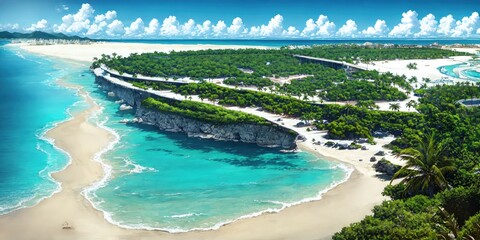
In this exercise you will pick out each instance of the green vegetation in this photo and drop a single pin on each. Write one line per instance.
(345, 122)
(335, 85)
(442, 176)
(353, 53)
(255, 67)
(412, 66)
(426, 167)
(202, 111)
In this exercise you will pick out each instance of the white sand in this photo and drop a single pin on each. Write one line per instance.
(86, 53)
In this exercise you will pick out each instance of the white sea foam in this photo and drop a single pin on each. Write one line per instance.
(137, 168)
(186, 215)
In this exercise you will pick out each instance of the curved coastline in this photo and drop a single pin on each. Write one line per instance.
(231, 231)
(41, 134)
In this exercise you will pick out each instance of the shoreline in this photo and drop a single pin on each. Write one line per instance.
(93, 221)
(301, 221)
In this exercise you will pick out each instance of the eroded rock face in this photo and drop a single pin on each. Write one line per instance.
(262, 135)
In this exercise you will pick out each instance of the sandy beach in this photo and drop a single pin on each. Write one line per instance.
(347, 203)
(86, 53)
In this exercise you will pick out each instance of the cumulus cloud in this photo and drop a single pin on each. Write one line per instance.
(205, 28)
(466, 26)
(38, 26)
(407, 26)
(189, 28)
(9, 26)
(170, 26)
(348, 30)
(109, 15)
(136, 28)
(115, 29)
(237, 27)
(378, 30)
(152, 28)
(291, 32)
(219, 28)
(100, 22)
(446, 25)
(321, 28)
(428, 26)
(84, 22)
(272, 29)
(77, 22)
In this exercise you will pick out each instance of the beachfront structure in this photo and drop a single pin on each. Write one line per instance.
(331, 63)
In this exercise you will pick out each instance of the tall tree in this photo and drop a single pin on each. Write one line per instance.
(424, 172)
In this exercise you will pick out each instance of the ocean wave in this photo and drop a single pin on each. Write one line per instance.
(186, 215)
(137, 168)
(89, 192)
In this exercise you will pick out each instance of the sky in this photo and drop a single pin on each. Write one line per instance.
(250, 19)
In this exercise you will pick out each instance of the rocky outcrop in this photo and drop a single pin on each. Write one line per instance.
(386, 167)
(270, 135)
(263, 135)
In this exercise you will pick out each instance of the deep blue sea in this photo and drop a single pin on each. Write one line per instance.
(154, 180)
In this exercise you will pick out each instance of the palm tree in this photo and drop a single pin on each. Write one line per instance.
(411, 104)
(426, 165)
(395, 107)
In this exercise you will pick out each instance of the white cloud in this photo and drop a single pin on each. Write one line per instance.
(274, 28)
(446, 25)
(428, 26)
(100, 22)
(152, 28)
(136, 28)
(109, 15)
(219, 28)
(84, 22)
(408, 25)
(38, 26)
(9, 27)
(62, 7)
(291, 32)
(466, 26)
(309, 28)
(77, 22)
(95, 28)
(348, 30)
(170, 26)
(205, 28)
(322, 27)
(115, 29)
(237, 27)
(378, 30)
(189, 28)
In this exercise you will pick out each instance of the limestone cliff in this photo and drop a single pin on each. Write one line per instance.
(264, 135)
